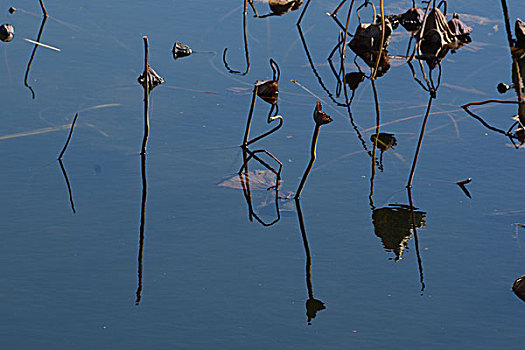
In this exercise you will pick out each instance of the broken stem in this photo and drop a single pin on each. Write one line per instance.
(69, 137)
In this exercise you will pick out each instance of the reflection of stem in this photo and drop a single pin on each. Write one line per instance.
(507, 22)
(68, 185)
(250, 116)
(382, 41)
(246, 53)
(416, 241)
(69, 137)
(43, 9)
(419, 142)
(485, 124)
(312, 160)
(306, 250)
(28, 69)
(374, 151)
(146, 95)
(244, 177)
(142, 226)
(302, 13)
(310, 61)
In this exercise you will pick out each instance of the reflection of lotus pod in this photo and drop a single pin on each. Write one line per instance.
(366, 44)
(394, 224)
(385, 141)
(181, 50)
(313, 306)
(321, 117)
(353, 79)
(520, 32)
(268, 90)
(7, 32)
(412, 20)
(460, 29)
(154, 79)
(280, 7)
(519, 287)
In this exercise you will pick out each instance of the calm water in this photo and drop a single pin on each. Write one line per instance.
(211, 278)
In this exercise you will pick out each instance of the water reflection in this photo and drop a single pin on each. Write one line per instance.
(313, 306)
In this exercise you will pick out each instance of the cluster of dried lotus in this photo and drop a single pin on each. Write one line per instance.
(437, 37)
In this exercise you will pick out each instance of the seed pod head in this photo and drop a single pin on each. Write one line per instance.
(181, 50)
(353, 79)
(503, 88)
(268, 90)
(7, 32)
(459, 29)
(154, 79)
(321, 117)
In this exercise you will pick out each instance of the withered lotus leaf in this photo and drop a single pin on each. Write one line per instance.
(519, 288)
(181, 50)
(268, 90)
(321, 117)
(7, 32)
(460, 29)
(154, 79)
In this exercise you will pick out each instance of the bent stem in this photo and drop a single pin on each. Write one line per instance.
(250, 116)
(245, 36)
(28, 69)
(69, 137)
(315, 137)
(64, 172)
(43, 9)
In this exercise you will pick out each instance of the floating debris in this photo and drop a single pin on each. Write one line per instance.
(519, 288)
(43, 45)
(12, 10)
(154, 79)
(354, 79)
(7, 32)
(462, 184)
(181, 50)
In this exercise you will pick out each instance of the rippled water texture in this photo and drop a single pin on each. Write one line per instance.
(107, 249)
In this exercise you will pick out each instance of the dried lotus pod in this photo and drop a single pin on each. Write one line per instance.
(354, 79)
(181, 50)
(412, 20)
(154, 79)
(7, 32)
(460, 29)
(268, 90)
(519, 287)
(321, 117)
(520, 32)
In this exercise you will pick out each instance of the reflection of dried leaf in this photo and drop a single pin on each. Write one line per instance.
(462, 184)
(519, 287)
(258, 180)
(385, 141)
(412, 20)
(280, 7)
(353, 79)
(313, 306)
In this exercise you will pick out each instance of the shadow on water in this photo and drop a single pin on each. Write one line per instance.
(313, 306)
